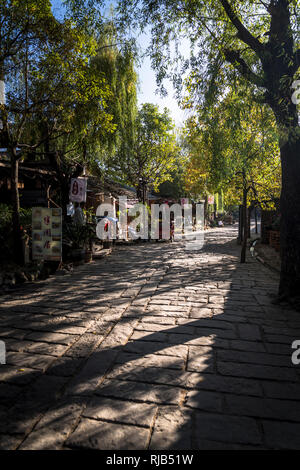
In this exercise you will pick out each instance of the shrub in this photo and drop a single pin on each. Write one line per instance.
(6, 238)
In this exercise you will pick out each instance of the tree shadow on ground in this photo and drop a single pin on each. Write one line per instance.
(216, 374)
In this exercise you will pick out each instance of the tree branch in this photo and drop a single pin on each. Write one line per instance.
(243, 32)
(264, 4)
(239, 63)
(297, 59)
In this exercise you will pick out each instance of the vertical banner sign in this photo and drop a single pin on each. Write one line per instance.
(46, 234)
(78, 189)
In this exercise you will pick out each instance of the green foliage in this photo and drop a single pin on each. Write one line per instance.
(174, 189)
(76, 118)
(88, 88)
(5, 215)
(6, 212)
(77, 236)
(115, 60)
(6, 232)
(212, 29)
(153, 154)
(235, 145)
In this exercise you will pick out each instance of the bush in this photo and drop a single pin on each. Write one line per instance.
(25, 217)
(77, 236)
(5, 215)
(6, 238)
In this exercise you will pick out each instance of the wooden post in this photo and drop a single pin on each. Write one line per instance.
(255, 215)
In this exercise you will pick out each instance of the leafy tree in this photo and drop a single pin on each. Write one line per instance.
(235, 150)
(174, 188)
(153, 154)
(200, 175)
(77, 122)
(254, 40)
(116, 61)
(56, 97)
(26, 28)
(95, 110)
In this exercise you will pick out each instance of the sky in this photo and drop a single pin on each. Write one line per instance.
(148, 89)
(147, 82)
(147, 93)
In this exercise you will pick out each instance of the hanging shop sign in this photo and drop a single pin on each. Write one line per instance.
(46, 234)
(78, 189)
(210, 200)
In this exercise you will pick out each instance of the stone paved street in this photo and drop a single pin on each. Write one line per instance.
(153, 347)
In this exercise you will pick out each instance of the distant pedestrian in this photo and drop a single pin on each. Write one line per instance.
(78, 217)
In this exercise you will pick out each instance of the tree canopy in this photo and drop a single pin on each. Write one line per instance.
(237, 137)
(153, 153)
(254, 41)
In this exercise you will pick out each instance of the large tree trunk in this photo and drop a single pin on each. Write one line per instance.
(18, 255)
(290, 219)
(289, 141)
(280, 64)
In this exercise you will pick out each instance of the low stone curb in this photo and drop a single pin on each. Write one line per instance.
(265, 263)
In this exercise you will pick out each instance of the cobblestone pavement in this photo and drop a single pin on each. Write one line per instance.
(154, 347)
